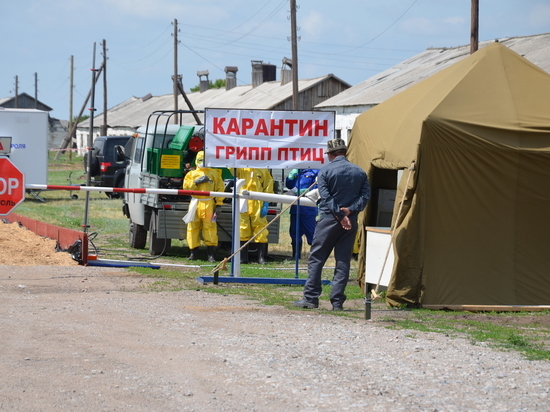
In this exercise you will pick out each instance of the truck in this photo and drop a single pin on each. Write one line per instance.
(159, 156)
(108, 162)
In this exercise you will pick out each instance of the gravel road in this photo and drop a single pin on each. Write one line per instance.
(93, 339)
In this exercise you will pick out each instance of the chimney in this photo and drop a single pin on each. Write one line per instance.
(204, 84)
(257, 73)
(263, 72)
(230, 77)
(286, 71)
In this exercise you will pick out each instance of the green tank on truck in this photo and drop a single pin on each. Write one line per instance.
(159, 156)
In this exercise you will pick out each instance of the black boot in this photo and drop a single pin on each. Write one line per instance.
(244, 253)
(193, 254)
(210, 253)
(261, 252)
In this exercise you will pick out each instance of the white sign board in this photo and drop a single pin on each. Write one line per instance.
(378, 241)
(267, 139)
(28, 129)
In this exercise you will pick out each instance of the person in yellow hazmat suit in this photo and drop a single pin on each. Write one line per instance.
(254, 219)
(203, 210)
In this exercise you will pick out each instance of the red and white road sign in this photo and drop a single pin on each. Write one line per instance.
(12, 186)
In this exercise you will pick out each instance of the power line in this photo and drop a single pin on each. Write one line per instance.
(210, 39)
(382, 32)
(274, 12)
(247, 20)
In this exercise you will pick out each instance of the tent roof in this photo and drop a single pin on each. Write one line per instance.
(469, 92)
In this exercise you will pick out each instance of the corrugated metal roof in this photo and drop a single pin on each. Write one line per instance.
(25, 101)
(135, 111)
(384, 85)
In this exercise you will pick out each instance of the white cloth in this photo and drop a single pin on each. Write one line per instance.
(191, 212)
(313, 195)
(243, 206)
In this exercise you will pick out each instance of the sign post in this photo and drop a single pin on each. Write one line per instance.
(12, 186)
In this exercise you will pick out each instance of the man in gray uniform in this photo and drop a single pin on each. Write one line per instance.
(344, 192)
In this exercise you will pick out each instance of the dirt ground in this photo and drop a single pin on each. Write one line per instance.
(33, 250)
(19, 246)
(95, 338)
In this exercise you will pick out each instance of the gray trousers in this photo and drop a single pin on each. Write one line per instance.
(330, 235)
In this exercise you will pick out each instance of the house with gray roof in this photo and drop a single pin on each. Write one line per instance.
(357, 99)
(265, 93)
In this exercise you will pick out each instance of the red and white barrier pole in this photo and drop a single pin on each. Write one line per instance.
(266, 197)
(126, 190)
(272, 197)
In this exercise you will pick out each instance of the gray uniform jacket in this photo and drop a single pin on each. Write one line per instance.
(342, 184)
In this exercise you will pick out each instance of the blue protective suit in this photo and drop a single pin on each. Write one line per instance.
(302, 218)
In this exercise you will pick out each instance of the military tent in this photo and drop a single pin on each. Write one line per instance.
(474, 228)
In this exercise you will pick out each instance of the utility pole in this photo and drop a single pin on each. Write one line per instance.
(294, 41)
(70, 125)
(103, 128)
(71, 101)
(72, 131)
(16, 103)
(175, 78)
(474, 36)
(35, 90)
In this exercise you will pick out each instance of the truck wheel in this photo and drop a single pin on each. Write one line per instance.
(138, 236)
(157, 246)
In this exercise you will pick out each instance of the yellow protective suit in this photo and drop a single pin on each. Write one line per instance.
(256, 180)
(206, 205)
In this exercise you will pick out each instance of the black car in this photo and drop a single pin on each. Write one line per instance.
(108, 162)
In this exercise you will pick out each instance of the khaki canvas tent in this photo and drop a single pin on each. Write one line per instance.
(474, 228)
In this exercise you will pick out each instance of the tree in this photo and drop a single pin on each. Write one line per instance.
(80, 119)
(218, 84)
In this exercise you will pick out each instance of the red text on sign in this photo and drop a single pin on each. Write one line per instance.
(270, 127)
(266, 153)
(8, 185)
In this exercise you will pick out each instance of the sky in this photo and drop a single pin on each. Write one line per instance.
(352, 39)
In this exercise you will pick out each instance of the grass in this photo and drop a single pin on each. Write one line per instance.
(527, 333)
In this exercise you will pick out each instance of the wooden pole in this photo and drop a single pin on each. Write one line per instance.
(295, 104)
(35, 90)
(16, 92)
(71, 101)
(195, 115)
(474, 36)
(175, 69)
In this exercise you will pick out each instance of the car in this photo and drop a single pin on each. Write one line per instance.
(108, 162)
